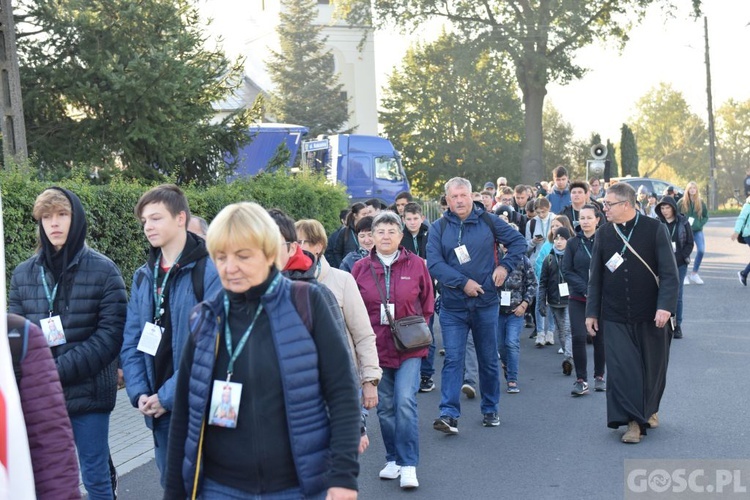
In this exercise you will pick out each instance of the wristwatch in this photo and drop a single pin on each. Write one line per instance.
(373, 382)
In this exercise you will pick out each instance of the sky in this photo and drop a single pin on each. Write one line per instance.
(660, 50)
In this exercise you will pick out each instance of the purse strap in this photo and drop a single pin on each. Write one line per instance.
(391, 321)
(630, 247)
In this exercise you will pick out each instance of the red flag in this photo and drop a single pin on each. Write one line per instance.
(16, 474)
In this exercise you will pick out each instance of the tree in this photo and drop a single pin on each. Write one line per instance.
(116, 85)
(733, 146)
(670, 135)
(307, 89)
(628, 152)
(452, 110)
(560, 147)
(540, 37)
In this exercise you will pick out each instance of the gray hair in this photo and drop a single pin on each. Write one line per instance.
(387, 217)
(457, 182)
(624, 192)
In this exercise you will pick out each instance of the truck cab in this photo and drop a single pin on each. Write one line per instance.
(369, 166)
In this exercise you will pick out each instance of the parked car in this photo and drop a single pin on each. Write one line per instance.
(657, 186)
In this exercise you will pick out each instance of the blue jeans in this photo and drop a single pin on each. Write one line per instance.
(682, 271)
(456, 325)
(161, 433)
(509, 328)
(427, 368)
(746, 272)
(397, 412)
(543, 323)
(700, 245)
(216, 491)
(471, 369)
(91, 435)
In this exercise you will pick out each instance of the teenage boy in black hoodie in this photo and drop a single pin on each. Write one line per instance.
(681, 235)
(177, 276)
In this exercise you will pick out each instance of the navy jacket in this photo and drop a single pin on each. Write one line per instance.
(479, 239)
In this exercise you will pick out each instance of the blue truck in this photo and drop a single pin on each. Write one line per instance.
(368, 166)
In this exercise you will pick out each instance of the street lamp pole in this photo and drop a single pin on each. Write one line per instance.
(712, 197)
(12, 122)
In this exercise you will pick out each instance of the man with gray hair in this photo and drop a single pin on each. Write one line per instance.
(632, 293)
(462, 254)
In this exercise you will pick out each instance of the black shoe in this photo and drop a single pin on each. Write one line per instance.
(426, 384)
(441, 352)
(677, 332)
(567, 366)
(446, 424)
(533, 334)
(743, 277)
(491, 420)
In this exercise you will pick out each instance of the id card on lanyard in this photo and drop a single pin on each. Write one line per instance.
(152, 332)
(51, 327)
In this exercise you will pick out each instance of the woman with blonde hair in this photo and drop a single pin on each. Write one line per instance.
(692, 206)
(281, 349)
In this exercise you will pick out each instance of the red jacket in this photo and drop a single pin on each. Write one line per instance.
(411, 292)
(53, 454)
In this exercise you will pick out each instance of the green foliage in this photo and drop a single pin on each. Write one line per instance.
(452, 110)
(541, 38)
(612, 157)
(628, 152)
(732, 147)
(114, 85)
(560, 147)
(114, 230)
(307, 88)
(670, 135)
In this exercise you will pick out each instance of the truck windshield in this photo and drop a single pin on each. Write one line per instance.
(388, 168)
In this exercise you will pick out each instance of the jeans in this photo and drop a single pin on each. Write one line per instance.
(577, 314)
(216, 491)
(471, 368)
(543, 323)
(746, 272)
(161, 433)
(91, 435)
(427, 368)
(682, 270)
(562, 329)
(509, 328)
(700, 245)
(456, 325)
(397, 412)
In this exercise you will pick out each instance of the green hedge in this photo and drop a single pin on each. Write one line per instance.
(114, 231)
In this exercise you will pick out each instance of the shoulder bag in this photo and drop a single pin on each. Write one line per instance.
(410, 333)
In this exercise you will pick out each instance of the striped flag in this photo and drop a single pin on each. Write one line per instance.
(16, 474)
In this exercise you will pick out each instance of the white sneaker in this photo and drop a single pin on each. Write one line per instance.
(695, 278)
(686, 281)
(392, 471)
(409, 477)
(550, 340)
(539, 342)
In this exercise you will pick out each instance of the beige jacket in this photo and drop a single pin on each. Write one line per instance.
(360, 333)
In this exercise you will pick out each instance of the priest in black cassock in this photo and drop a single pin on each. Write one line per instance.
(633, 291)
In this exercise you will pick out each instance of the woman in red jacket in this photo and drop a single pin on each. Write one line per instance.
(401, 279)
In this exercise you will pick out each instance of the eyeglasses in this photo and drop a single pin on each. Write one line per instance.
(302, 242)
(608, 204)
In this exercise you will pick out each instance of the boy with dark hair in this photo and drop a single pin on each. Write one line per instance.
(402, 199)
(415, 236)
(374, 207)
(177, 276)
(559, 196)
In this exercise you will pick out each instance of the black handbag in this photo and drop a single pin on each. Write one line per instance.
(410, 333)
(741, 239)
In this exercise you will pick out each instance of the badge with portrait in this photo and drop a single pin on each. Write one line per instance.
(504, 298)
(225, 404)
(615, 262)
(462, 253)
(384, 316)
(563, 287)
(150, 339)
(53, 331)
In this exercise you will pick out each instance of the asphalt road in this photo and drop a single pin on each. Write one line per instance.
(552, 446)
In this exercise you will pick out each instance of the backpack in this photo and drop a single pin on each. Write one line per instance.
(301, 301)
(17, 348)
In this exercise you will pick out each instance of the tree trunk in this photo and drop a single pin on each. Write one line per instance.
(532, 168)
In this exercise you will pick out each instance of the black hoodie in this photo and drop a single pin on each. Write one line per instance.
(58, 261)
(679, 231)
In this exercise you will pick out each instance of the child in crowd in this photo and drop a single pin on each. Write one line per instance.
(553, 290)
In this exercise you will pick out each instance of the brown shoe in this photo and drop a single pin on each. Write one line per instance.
(653, 421)
(633, 434)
